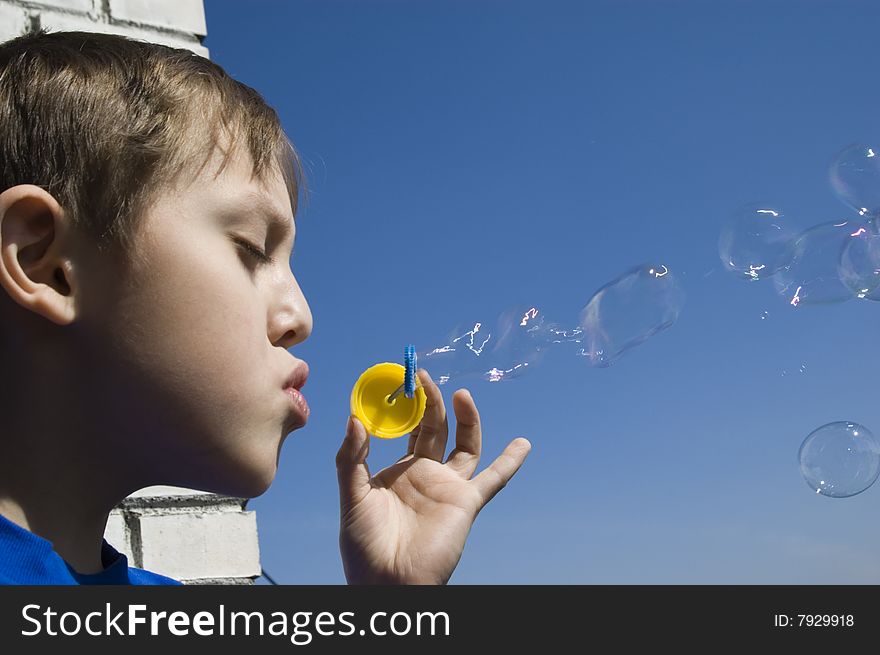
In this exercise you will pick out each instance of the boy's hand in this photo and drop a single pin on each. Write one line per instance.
(408, 523)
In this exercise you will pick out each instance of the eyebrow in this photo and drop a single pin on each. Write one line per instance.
(282, 224)
(278, 222)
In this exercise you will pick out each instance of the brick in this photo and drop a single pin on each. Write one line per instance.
(14, 21)
(60, 22)
(56, 21)
(116, 534)
(182, 15)
(190, 546)
(84, 6)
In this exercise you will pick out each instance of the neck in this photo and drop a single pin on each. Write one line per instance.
(58, 485)
(74, 531)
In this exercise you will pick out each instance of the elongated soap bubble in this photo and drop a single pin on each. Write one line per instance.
(754, 243)
(855, 179)
(562, 338)
(840, 459)
(628, 311)
(495, 350)
(812, 276)
(461, 355)
(522, 338)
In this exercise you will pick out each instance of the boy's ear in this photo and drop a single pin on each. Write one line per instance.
(34, 269)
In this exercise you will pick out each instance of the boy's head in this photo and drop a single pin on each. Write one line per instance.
(141, 334)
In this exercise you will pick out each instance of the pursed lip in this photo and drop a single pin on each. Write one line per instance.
(297, 377)
(298, 406)
(299, 409)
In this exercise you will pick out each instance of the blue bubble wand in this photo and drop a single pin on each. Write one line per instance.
(409, 376)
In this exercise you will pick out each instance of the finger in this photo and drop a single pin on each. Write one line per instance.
(351, 464)
(411, 446)
(434, 430)
(493, 479)
(468, 435)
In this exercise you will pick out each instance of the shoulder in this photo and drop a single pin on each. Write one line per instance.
(143, 577)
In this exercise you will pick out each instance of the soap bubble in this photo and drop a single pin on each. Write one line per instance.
(618, 317)
(812, 274)
(627, 311)
(560, 337)
(501, 350)
(827, 263)
(855, 179)
(859, 266)
(521, 340)
(754, 243)
(840, 459)
(462, 354)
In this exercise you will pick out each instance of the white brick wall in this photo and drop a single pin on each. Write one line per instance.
(185, 534)
(189, 535)
(73, 5)
(203, 544)
(13, 20)
(175, 15)
(176, 23)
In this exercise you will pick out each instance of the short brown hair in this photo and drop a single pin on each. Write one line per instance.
(101, 121)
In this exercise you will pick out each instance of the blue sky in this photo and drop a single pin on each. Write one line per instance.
(466, 156)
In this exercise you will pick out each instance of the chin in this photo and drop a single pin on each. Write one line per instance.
(253, 481)
(242, 477)
(249, 486)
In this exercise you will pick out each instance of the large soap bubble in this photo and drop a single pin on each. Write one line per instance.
(840, 459)
(628, 311)
(859, 266)
(855, 179)
(812, 275)
(754, 243)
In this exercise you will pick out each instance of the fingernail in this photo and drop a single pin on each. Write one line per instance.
(349, 426)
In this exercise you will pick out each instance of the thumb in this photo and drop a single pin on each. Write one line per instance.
(351, 463)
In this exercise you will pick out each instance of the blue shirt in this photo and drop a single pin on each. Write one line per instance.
(26, 559)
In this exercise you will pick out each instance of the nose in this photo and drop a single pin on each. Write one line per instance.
(290, 321)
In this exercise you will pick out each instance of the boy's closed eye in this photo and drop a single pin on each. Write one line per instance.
(253, 211)
(259, 255)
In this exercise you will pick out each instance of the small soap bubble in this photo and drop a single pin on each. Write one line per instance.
(840, 459)
(855, 179)
(812, 276)
(859, 266)
(754, 243)
(764, 315)
(627, 311)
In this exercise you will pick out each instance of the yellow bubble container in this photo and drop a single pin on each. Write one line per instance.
(369, 402)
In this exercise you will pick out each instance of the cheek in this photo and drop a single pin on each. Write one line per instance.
(198, 330)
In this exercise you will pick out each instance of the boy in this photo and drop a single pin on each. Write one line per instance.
(147, 309)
